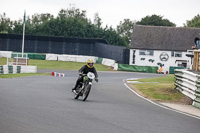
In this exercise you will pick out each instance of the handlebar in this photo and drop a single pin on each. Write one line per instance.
(81, 74)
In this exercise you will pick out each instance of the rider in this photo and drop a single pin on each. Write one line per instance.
(89, 67)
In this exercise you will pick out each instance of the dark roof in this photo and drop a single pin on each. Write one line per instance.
(163, 38)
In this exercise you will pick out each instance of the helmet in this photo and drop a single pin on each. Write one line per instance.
(90, 63)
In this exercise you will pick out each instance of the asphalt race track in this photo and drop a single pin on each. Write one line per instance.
(45, 104)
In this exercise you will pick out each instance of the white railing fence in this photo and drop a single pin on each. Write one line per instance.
(188, 83)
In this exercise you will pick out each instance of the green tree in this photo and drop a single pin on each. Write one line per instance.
(125, 29)
(97, 21)
(5, 23)
(41, 18)
(155, 20)
(97, 24)
(70, 22)
(113, 37)
(17, 27)
(71, 12)
(195, 22)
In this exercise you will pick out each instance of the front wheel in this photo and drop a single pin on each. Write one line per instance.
(76, 95)
(86, 92)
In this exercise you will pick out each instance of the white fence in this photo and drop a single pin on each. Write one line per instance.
(76, 58)
(15, 65)
(7, 54)
(79, 58)
(189, 84)
(57, 57)
(6, 69)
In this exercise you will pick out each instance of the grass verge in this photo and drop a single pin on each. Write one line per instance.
(22, 75)
(3, 61)
(45, 64)
(160, 89)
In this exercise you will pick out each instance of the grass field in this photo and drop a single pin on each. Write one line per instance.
(45, 64)
(3, 61)
(159, 89)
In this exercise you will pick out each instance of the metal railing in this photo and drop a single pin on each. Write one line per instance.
(188, 83)
(19, 59)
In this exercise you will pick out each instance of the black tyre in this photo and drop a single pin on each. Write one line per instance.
(86, 92)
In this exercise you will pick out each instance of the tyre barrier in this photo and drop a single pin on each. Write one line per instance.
(188, 83)
(55, 74)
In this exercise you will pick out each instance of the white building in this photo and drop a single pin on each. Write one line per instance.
(167, 46)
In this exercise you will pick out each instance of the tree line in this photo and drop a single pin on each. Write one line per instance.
(74, 23)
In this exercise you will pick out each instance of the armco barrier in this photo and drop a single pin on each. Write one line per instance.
(189, 84)
(51, 57)
(171, 69)
(99, 60)
(76, 58)
(133, 68)
(4, 69)
(64, 57)
(108, 62)
(79, 58)
(37, 56)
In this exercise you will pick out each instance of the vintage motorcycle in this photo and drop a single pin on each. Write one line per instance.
(84, 87)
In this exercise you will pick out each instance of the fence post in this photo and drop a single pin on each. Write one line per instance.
(196, 60)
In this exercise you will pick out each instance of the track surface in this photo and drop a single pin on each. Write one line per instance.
(45, 104)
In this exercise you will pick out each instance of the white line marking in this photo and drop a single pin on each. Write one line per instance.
(159, 104)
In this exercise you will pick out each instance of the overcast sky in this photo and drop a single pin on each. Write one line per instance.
(110, 11)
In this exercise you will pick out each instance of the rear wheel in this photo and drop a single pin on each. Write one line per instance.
(86, 92)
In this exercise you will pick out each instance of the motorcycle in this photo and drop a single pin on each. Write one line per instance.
(84, 87)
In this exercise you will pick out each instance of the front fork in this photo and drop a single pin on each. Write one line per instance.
(88, 82)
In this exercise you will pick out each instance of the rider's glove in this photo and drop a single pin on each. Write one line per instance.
(80, 74)
(96, 79)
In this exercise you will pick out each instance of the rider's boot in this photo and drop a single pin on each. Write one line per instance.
(74, 88)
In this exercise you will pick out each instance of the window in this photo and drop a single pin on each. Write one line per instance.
(198, 44)
(142, 52)
(176, 54)
(146, 52)
(182, 65)
(172, 54)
